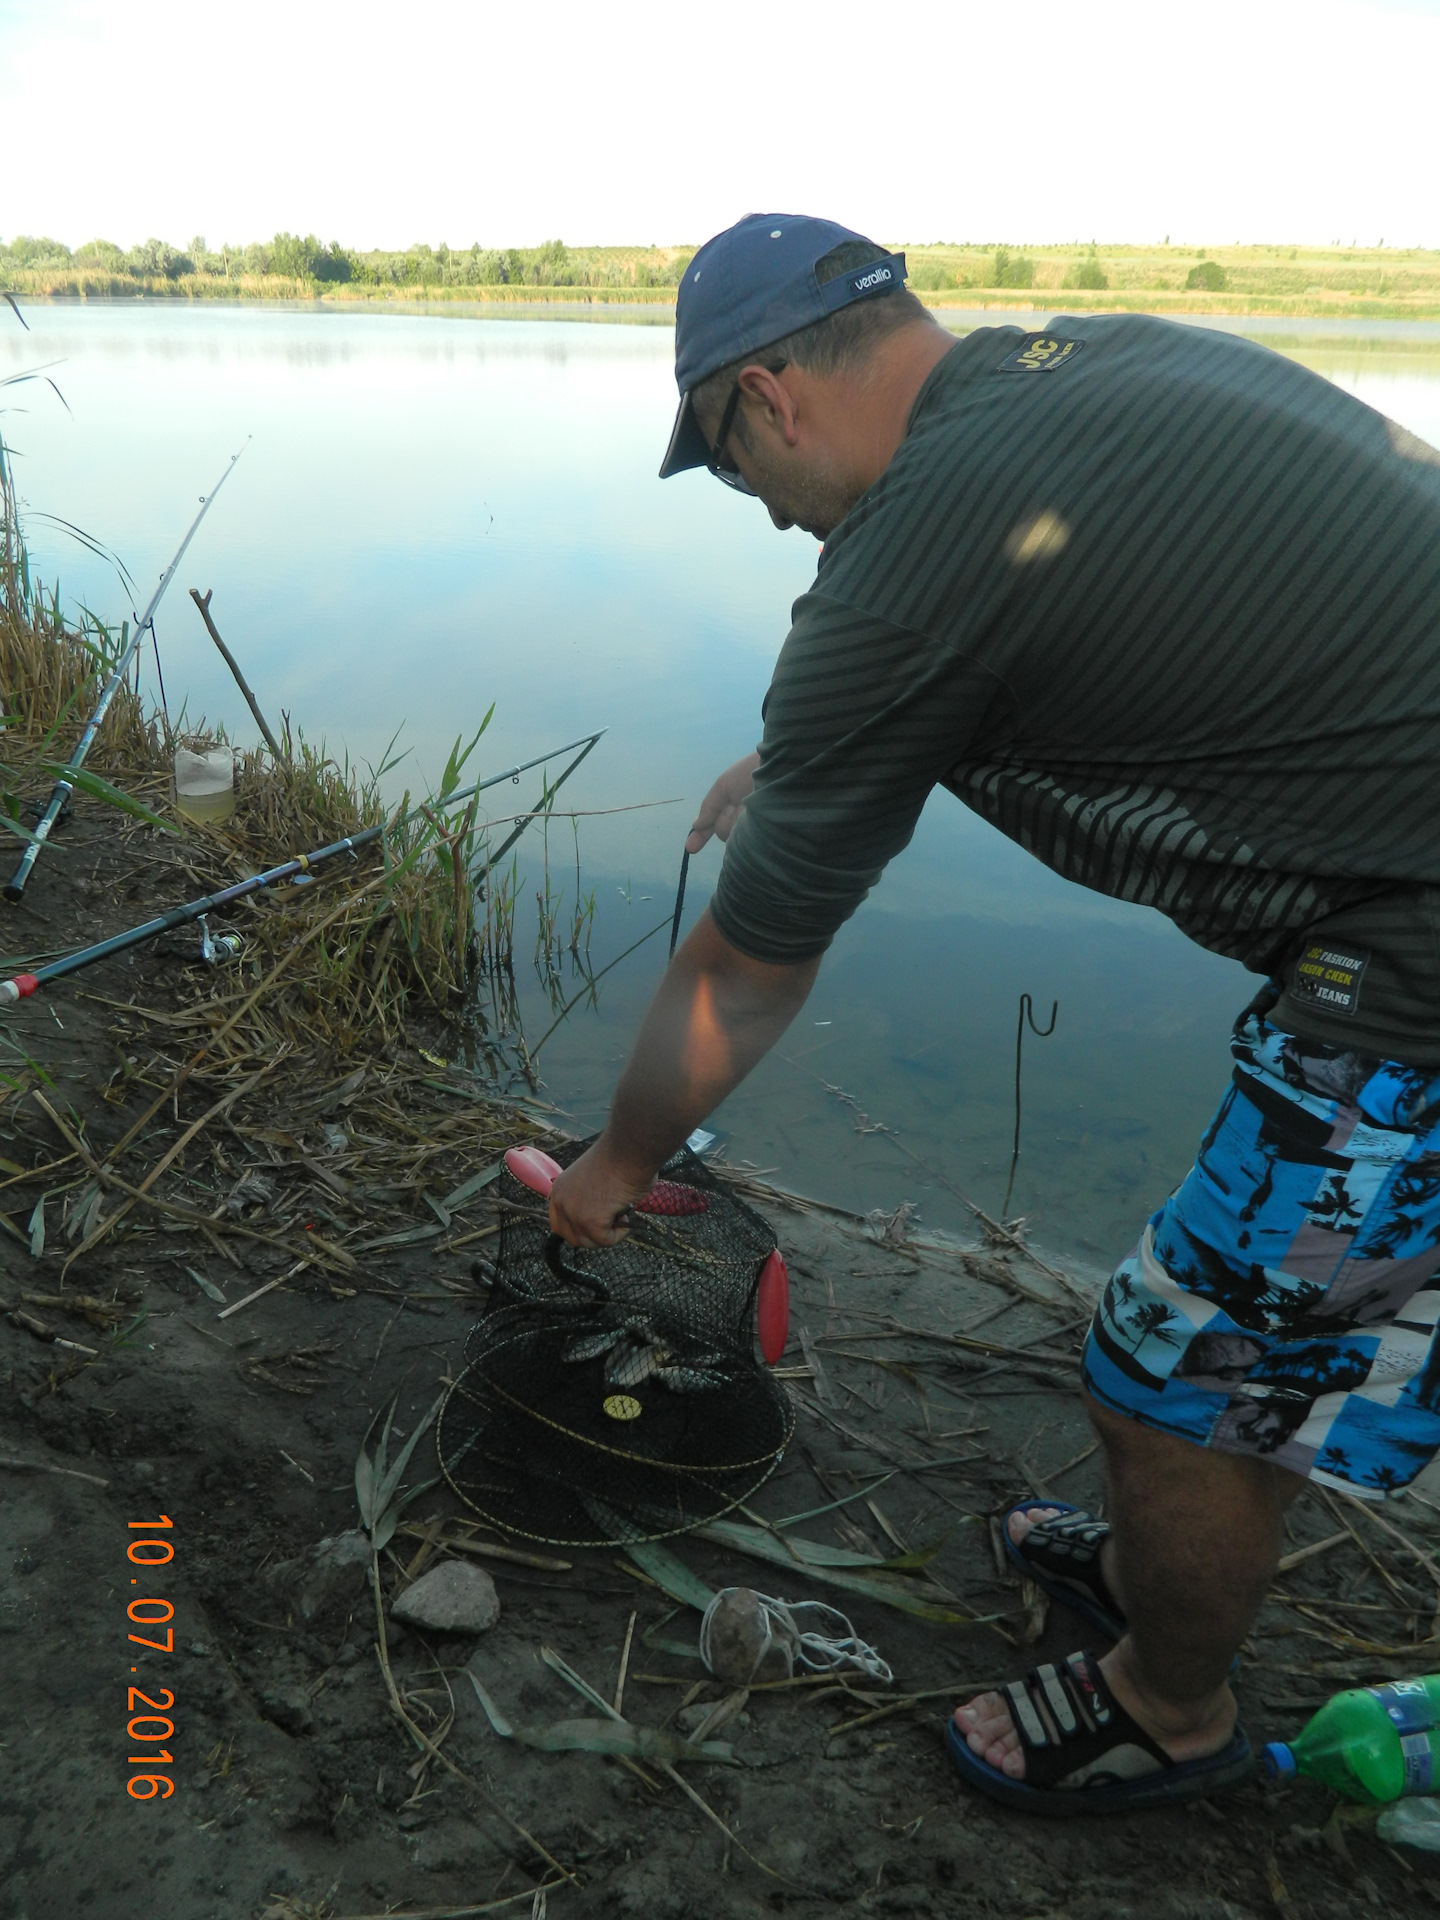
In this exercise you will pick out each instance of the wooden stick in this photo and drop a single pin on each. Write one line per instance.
(1302, 1554)
(234, 666)
(960, 1689)
(1401, 1539)
(493, 1550)
(269, 1287)
(452, 1246)
(40, 1466)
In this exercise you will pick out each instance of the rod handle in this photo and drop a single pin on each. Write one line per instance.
(20, 988)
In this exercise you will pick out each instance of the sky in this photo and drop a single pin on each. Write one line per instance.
(638, 121)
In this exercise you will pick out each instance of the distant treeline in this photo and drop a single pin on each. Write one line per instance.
(291, 257)
(1376, 282)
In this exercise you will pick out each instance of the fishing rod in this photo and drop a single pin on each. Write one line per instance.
(587, 741)
(21, 985)
(144, 623)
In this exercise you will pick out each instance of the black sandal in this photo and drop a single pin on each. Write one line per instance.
(1085, 1754)
(1062, 1557)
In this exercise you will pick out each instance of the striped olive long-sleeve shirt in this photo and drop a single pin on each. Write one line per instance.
(1163, 607)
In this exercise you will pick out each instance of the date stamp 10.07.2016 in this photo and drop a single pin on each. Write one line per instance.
(148, 1726)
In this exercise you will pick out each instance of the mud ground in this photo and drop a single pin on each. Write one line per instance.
(296, 1795)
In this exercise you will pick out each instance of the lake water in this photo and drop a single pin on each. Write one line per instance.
(434, 513)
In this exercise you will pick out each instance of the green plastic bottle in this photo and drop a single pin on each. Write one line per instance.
(1371, 1744)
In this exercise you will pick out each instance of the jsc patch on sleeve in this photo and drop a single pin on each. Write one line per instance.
(1330, 977)
(1040, 353)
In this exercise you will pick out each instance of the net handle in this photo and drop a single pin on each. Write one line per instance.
(555, 1260)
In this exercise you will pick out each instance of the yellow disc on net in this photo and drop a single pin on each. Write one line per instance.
(621, 1406)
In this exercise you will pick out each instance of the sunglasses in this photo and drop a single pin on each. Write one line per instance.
(722, 468)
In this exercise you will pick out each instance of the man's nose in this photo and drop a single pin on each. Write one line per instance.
(780, 520)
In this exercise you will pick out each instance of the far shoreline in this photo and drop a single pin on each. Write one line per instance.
(1371, 324)
(1225, 284)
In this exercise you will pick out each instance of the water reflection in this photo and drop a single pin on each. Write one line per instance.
(434, 513)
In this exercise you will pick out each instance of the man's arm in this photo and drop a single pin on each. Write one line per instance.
(716, 1014)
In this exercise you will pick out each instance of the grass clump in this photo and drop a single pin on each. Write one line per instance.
(51, 669)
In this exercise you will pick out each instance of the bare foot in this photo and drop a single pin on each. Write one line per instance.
(989, 1732)
(1019, 1524)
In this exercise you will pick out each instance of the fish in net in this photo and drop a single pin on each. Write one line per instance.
(615, 1393)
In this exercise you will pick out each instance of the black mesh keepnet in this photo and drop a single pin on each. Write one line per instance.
(614, 1393)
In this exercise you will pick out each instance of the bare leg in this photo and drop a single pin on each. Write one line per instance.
(1194, 1539)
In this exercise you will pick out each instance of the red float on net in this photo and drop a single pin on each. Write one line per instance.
(533, 1169)
(668, 1197)
(772, 1308)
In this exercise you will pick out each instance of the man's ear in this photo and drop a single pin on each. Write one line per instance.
(770, 400)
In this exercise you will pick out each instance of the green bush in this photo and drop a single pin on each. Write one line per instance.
(157, 259)
(479, 269)
(1013, 270)
(550, 265)
(307, 259)
(1208, 277)
(1088, 274)
(26, 250)
(101, 253)
(930, 276)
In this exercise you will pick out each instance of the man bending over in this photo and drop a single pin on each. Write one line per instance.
(1164, 608)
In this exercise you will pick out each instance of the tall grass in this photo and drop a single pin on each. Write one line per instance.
(51, 669)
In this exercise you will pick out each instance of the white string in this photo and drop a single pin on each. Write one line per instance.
(820, 1652)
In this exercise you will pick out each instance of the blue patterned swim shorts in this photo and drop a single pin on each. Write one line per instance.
(1283, 1302)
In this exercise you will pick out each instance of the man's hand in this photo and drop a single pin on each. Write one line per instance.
(586, 1202)
(720, 808)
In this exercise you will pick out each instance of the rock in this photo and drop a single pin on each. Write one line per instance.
(335, 1579)
(452, 1598)
(288, 1711)
(742, 1645)
(329, 1581)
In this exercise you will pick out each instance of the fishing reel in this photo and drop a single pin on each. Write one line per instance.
(34, 812)
(214, 950)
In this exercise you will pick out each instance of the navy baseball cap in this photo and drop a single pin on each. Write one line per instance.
(751, 285)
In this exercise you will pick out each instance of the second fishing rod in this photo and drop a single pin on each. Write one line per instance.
(20, 986)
